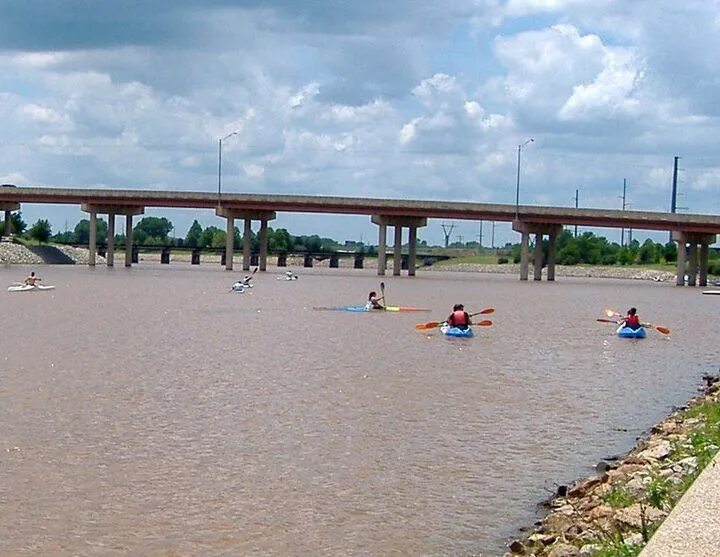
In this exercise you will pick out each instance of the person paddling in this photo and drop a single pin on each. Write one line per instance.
(32, 280)
(246, 280)
(459, 317)
(631, 320)
(374, 302)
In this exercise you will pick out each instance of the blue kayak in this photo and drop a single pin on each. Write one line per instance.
(455, 332)
(365, 308)
(627, 332)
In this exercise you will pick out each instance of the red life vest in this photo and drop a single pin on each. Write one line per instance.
(632, 321)
(459, 317)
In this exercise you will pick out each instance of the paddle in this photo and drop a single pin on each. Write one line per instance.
(609, 313)
(433, 324)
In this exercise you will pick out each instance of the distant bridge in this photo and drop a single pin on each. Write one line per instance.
(693, 232)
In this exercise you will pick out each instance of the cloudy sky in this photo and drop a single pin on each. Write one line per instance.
(382, 98)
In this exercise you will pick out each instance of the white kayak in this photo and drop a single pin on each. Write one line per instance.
(717, 292)
(29, 288)
(294, 277)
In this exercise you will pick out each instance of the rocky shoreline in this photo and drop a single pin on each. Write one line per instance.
(620, 508)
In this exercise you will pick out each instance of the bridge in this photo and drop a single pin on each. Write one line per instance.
(693, 232)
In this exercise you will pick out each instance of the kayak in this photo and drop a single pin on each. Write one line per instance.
(28, 288)
(365, 309)
(294, 277)
(455, 332)
(627, 332)
(711, 291)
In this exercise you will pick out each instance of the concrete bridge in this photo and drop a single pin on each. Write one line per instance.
(693, 233)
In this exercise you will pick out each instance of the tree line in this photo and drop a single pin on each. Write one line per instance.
(155, 232)
(586, 248)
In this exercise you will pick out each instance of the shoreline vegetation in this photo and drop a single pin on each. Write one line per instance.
(18, 254)
(616, 512)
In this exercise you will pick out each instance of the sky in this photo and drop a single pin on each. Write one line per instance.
(404, 99)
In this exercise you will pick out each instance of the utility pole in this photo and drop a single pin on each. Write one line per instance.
(447, 233)
(577, 199)
(480, 224)
(622, 234)
(492, 241)
(673, 199)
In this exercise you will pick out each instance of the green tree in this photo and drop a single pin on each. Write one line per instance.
(40, 231)
(218, 239)
(82, 231)
(206, 239)
(280, 241)
(670, 252)
(18, 225)
(193, 236)
(648, 253)
(155, 227)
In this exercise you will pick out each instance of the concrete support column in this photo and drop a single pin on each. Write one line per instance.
(680, 280)
(110, 255)
(128, 240)
(247, 230)
(8, 223)
(397, 251)
(704, 253)
(263, 245)
(92, 247)
(524, 255)
(229, 242)
(537, 263)
(382, 248)
(412, 250)
(693, 264)
(552, 237)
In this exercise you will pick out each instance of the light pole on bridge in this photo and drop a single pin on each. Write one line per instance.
(220, 141)
(517, 185)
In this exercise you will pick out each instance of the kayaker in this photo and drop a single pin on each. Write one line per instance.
(631, 320)
(246, 280)
(32, 280)
(374, 302)
(238, 287)
(459, 317)
(289, 275)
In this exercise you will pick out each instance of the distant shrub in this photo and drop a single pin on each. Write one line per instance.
(502, 260)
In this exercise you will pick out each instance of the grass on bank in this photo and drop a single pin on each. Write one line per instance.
(702, 443)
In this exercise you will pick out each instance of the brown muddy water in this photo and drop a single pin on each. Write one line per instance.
(151, 412)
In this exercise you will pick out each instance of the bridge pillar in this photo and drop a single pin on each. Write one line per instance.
(704, 253)
(165, 256)
(538, 257)
(229, 243)
(382, 248)
(693, 264)
(282, 260)
(308, 260)
(9, 208)
(524, 255)
(552, 256)
(334, 261)
(359, 261)
(248, 217)
(247, 232)
(128, 240)
(110, 254)
(696, 263)
(539, 229)
(263, 244)
(397, 251)
(412, 250)
(92, 247)
(111, 211)
(195, 256)
(412, 224)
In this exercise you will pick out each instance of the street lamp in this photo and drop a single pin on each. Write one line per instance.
(517, 187)
(220, 161)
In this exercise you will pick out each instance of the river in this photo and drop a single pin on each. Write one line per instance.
(151, 412)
